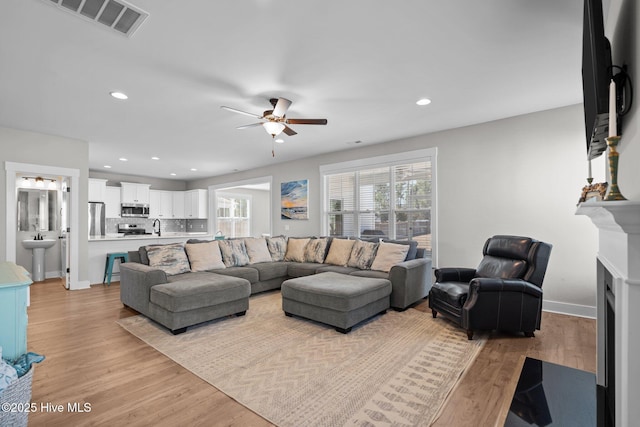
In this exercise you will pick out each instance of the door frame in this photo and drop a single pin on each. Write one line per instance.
(12, 169)
(213, 198)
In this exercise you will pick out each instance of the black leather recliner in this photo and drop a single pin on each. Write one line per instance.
(503, 293)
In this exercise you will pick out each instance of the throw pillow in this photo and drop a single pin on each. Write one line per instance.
(315, 250)
(295, 249)
(413, 247)
(204, 256)
(388, 255)
(234, 252)
(362, 254)
(339, 252)
(172, 258)
(257, 250)
(277, 247)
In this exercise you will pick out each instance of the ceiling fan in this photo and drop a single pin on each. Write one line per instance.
(276, 120)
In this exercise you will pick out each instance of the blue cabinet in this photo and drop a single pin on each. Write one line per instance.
(14, 288)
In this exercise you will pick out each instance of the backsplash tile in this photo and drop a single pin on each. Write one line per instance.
(166, 225)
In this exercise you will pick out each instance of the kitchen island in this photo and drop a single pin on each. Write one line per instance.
(100, 246)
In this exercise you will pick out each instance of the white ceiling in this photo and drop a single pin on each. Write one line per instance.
(361, 64)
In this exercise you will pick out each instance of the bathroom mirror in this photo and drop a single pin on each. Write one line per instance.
(37, 209)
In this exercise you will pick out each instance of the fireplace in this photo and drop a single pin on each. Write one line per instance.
(606, 388)
(618, 309)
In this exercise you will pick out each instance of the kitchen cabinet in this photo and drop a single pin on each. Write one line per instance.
(112, 202)
(161, 204)
(195, 204)
(134, 193)
(190, 204)
(178, 204)
(97, 189)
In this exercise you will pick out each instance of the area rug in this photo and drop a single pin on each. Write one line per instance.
(395, 369)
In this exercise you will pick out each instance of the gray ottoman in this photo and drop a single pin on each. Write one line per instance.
(204, 297)
(335, 299)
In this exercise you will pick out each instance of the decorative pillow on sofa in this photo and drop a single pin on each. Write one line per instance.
(339, 252)
(277, 247)
(388, 255)
(172, 258)
(315, 250)
(234, 252)
(257, 250)
(295, 249)
(204, 256)
(362, 254)
(413, 247)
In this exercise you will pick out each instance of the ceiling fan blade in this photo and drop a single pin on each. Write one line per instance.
(234, 110)
(252, 125)
(289, 131)
(281, 107)
(307, 121)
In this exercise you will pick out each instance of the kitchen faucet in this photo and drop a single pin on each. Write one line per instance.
(154, 225)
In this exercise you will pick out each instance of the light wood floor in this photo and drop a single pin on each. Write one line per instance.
(89, 358)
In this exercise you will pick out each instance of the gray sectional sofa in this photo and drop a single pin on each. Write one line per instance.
(179, 285)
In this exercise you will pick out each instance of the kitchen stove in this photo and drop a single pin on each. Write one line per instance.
(132, 229)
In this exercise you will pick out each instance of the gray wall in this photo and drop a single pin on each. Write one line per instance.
(521, 175)
(622, 31)
(35, 148)
(156, 183)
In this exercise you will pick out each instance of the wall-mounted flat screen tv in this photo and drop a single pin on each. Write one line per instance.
(596, 76)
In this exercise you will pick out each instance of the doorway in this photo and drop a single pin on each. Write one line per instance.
(69, 176)
(241, 209)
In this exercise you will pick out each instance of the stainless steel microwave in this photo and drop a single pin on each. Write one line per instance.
(134, 210)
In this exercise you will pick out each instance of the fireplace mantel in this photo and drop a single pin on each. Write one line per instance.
(618, 224)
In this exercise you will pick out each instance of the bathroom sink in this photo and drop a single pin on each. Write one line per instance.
(34, 244)
(38, 247)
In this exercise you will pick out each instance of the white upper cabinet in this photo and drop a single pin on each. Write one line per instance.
(161, 204)
(195, 204)
(134, 193)
(178, 204)
(97, 189)
(112, 202)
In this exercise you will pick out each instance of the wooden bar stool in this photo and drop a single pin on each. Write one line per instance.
(108, 266)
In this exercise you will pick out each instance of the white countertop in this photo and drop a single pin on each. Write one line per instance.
(154, 236)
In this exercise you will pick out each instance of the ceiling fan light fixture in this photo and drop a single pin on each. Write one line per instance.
(273, 128)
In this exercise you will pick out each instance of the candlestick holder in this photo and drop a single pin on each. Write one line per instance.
(614, 191)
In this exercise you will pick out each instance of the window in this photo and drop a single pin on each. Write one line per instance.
(382, 197)
(234, 215)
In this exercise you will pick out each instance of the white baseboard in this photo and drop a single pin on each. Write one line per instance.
(82, 284)
(52, 274)
(570, 309)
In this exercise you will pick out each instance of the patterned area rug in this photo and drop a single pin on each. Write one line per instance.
(395, 369)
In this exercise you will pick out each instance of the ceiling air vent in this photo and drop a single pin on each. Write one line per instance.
(117, 15)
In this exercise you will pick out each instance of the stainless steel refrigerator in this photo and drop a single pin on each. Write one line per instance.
(96, 219)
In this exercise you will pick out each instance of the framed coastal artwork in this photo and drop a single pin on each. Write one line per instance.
(294, 201)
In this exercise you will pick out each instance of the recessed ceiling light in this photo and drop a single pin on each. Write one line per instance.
(172, 174)
(119, 95)
(423, 101)
(193, 169)
(107, 166)
(279, 140)
(155, 158)
(122, 159)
